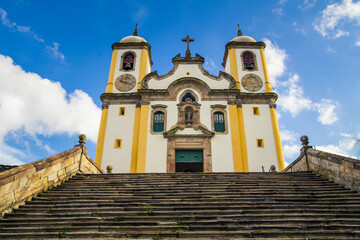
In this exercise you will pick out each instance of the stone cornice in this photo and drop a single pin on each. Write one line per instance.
(178, 127)
(188, 60)
(245, 45)
(232, 96)
(139, 45)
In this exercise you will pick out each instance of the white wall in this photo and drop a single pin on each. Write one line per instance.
(221, 150)
(118, 127)
(259, 127)
(194, 72)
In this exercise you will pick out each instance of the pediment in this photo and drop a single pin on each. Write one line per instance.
(191, 68)
(196, 130)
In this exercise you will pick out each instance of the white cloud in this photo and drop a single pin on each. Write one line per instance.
(291, 94)
(307, 4)
(210, 65)
(326, 109)
(287, 135)
(278, 11)
(10, 155)
(292, 98)
(336, 14)
(6, 22)
(348, 146)
(291, 151)
(55, 51)
(275, 61)
(31, 105)
(281, 2)
(358, 43)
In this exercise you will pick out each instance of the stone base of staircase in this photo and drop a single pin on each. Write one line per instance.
(295, 205)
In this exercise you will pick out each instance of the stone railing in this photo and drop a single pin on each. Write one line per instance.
(340, 169)
(20, 184)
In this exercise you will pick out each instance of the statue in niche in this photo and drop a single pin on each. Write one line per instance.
(188, 116)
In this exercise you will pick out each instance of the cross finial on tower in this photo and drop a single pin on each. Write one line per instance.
(136, 31)
(188, 40)
(239, 31)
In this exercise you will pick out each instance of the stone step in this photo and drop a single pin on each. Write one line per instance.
(194, 213)
(325, 234)
(140, 222)
(193, 206)
(177, 227)
(178, 206)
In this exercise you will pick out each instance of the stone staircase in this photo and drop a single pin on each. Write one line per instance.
(296, 205)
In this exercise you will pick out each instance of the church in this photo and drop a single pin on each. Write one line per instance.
(189, 120)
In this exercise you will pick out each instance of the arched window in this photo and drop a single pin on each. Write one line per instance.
(158, 125)
(219, 122)
(128, 61)
(248, 60)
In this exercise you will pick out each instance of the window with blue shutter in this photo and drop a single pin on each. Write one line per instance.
(219, 122)
(158, 122)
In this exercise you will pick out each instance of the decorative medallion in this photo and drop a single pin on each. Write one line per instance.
(252, 82)
(125, 82)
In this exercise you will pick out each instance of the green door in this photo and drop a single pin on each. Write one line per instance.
(189, 160)
(188, 156)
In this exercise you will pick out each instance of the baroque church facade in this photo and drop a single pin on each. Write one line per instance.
(188, 119)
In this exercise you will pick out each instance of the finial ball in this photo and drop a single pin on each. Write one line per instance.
(109, 168)
(305, 140)
(273, 168)
(82, 137)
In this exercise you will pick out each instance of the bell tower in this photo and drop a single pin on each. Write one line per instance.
(258, 128)
(130, 62)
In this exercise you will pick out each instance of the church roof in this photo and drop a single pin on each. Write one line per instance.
(133, 38)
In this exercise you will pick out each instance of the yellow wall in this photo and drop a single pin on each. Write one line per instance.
(143, 64)
(101, 137)
(135, 143)
(266, 74)
(235, 139)
(234, 67)
(143, 127)
(109, 86)
(244, 157)
(278, 146)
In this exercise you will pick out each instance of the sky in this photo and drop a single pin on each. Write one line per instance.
(55, 59)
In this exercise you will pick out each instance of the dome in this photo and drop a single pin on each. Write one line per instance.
(132, 39)
(243, 39)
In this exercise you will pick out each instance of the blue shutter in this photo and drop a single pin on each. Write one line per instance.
(219, 123)
(158, 123)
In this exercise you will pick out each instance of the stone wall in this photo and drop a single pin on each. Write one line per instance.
(340, 169)
(20, 184)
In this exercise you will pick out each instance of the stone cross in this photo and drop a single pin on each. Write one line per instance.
(188, 40)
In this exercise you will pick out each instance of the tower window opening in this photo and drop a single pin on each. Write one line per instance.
(219, 122)
(122, 111)
(128, 62)
(248, 60)
(260, 143)
(158, 125)
(256, 111)
(118, 143)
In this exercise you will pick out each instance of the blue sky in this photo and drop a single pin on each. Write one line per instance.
(55, 58)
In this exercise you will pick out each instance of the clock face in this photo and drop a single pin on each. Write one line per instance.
(125, 82)
(252, 82)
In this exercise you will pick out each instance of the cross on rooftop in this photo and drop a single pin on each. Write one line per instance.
(188, 40)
